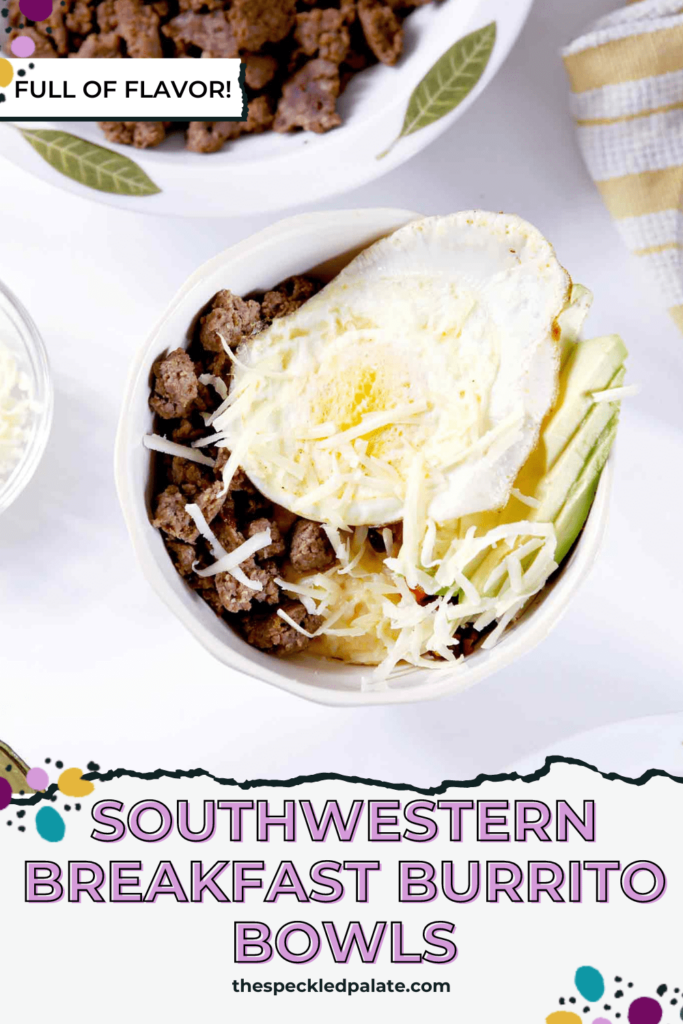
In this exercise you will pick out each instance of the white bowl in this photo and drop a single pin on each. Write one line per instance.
(20, 334)
(266, 172)
(320, 242)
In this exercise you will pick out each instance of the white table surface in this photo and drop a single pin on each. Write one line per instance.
(93, 666)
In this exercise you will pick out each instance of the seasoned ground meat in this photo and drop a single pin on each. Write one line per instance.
(287, 297)
(211, 33)
(298, 55)
(189, 474)
(138, 25)
(105, 15)
(259, 69)
(170, 514)
(108, 44)
(382, 29)
(176, 385)
(277, 545)
(184, 556)
(242, 511)
(78, 17)
(323, 33)
(231, 318)
(309, 98)
(171, 517)
(188, 431)
(272, 633)
(210, 136)
(309, 547)
(236, 597)
(211, 500)
(206, 588)
(141, 134)
(258, 22)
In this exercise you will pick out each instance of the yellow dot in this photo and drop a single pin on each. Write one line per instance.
(71, 784)
(563, 1017)
(6, 73)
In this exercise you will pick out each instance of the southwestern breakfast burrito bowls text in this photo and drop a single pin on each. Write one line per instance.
(362, 454)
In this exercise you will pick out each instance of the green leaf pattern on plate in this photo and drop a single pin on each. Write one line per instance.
(449, 81)
(90, 165)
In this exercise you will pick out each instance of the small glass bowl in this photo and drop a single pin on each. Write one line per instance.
(20, 334)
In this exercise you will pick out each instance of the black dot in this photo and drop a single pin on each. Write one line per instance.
(49, 32)
(20, 814)
(67, 807)
(22, 73)
(9, 766)
(93, 767)
(48, 759)
(8, 30)
(630, 984)
(21, 828)
(617, 979)
(54, 799)
(2, 97)
(618, 994)
(9, 822)
(21, 792)
(561, 1000)
(586, 1009)
(571, 999)
(607, 1006)
(59, 764)
(78, 807)
(4, 12)
(661, 990)
(31, 66)
(673, 1002)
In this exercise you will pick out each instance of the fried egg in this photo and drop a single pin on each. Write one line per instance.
(435, 348)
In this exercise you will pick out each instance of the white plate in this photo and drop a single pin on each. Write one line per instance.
(324, 242)
(273, 172)
(628, 748)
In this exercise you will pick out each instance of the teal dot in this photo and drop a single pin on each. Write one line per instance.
(590, 983)
(50, 824)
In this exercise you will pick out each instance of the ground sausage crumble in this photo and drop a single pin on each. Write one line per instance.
(178, 399)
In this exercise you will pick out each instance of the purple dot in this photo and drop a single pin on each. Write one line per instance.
(36, 10)
(37, 779)
(601, 1020)
(644, 1011)
(22, 46)
(5, 793)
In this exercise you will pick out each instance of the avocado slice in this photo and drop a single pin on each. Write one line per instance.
(563, 471)
(574, 512)
(570, 320)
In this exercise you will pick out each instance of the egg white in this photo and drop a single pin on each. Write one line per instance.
(437, 342)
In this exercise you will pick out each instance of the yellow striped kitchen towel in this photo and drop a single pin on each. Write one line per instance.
(626, 75)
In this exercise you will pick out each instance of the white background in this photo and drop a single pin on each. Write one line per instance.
(93, 666)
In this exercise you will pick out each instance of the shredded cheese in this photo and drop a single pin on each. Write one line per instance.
(615, 394)
(16, 408)
(228, 562)
(524, 498)
(217, 383)
(217, 549)
(156, 443)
